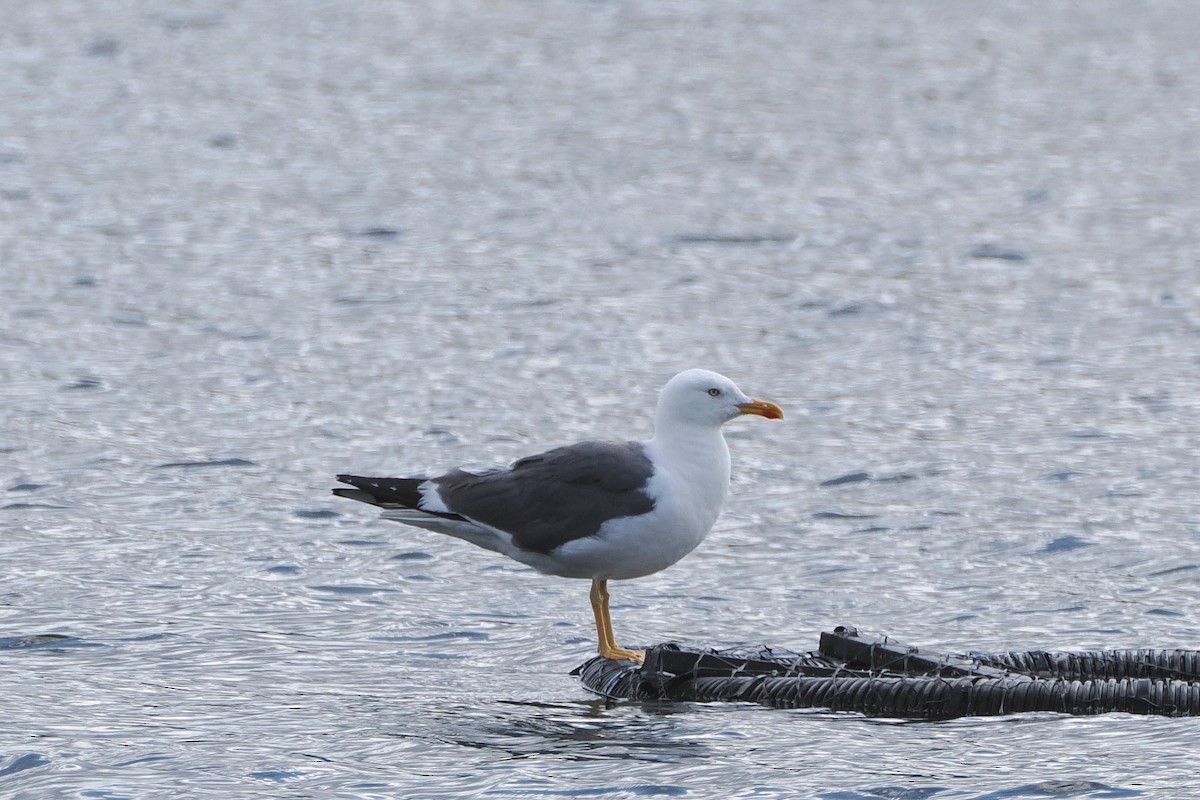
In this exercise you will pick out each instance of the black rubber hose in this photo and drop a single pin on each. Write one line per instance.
(1098, 664)
(929, 697)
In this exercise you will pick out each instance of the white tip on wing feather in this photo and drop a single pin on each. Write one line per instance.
(431, 500)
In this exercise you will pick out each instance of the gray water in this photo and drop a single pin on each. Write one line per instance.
(246, 246)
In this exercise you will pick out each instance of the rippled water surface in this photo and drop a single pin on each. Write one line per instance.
(245, 246)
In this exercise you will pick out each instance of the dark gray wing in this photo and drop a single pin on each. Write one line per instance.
(547, 500)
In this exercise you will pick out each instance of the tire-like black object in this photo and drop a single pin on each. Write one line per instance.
(874, 676)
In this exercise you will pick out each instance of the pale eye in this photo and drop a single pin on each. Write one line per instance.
(714, 392)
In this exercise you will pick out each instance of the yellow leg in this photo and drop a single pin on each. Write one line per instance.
(599, 597)
(608, 644)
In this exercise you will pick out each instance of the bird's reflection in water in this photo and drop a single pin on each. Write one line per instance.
(585, 730)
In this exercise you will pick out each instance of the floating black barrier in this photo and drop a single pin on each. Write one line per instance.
(878, 677)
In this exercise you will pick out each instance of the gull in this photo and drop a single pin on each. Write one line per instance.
(598, 510)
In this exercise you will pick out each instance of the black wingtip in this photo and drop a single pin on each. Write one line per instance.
(388, 492)
(355, 494)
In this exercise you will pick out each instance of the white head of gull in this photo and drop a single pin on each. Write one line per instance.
(597, 510)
